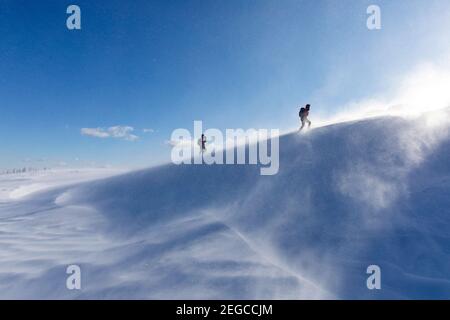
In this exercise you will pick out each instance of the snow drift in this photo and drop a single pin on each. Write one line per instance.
(347, 196)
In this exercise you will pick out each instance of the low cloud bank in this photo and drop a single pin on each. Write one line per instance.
(116, 132)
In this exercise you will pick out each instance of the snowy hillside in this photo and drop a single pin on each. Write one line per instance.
(349, 195)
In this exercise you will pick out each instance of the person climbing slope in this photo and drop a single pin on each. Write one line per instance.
(202, 143)
(303, 114)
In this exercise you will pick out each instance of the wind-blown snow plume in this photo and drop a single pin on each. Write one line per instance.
(423, 90)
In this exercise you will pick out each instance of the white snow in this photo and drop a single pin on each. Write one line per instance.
(347, 196)
(18, 185)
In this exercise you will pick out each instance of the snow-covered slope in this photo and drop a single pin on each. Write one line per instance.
(18, 185)
(374, 191)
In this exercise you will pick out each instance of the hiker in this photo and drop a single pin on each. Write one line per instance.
(202, 143)
(303, 114)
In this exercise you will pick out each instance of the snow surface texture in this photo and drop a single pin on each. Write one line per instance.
(374, 191)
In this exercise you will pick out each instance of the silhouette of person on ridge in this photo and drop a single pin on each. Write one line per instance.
(202, 143)
(303, 114)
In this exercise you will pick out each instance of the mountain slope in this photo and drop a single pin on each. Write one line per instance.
(347, 196)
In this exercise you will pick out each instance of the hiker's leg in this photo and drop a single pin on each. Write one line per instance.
(303, 124)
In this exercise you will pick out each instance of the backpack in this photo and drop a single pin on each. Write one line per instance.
(302, 112)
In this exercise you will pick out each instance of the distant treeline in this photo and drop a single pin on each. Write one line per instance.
(22, 170)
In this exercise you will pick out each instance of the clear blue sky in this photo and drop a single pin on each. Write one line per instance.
(163, 64)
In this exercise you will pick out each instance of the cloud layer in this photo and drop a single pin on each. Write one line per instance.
(117, 132)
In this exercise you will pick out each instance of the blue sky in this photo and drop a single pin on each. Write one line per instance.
(164, 64)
